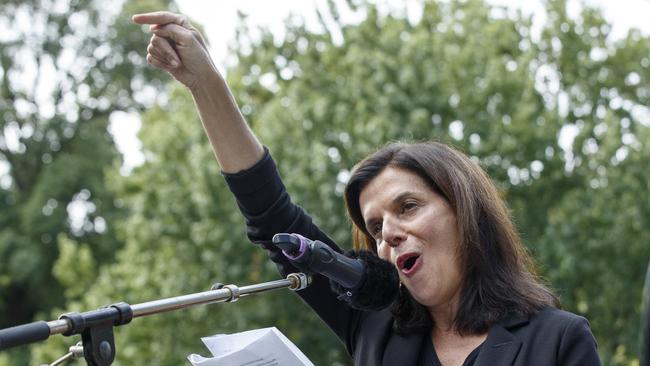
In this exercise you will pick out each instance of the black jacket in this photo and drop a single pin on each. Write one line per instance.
(550, 337)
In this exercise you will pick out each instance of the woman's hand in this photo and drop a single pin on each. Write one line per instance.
(177, 47)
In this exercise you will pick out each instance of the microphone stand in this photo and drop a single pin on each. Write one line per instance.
(96, 327)
(76, 351)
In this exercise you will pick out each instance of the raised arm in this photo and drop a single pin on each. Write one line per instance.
(178, 48)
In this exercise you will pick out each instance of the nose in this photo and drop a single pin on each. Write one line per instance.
(392, 232)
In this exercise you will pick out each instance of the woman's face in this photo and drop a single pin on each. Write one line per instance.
(416, 230)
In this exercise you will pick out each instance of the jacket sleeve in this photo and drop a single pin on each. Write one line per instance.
(268, 209)
(578, 345)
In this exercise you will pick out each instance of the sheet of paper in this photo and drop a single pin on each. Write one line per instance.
(259, 347)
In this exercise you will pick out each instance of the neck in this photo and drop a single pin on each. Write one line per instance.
(443, 317)
(444, 314)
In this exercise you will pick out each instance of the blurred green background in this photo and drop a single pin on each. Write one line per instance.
(560, 121)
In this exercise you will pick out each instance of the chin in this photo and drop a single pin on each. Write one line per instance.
(426, 301)
(429, 300)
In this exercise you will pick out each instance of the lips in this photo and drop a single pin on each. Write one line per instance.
(408, 263)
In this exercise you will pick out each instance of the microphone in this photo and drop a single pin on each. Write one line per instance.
(363, 280)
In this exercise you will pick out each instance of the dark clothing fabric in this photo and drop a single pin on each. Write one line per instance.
(550, 337)
(471, 358)
(429, 357)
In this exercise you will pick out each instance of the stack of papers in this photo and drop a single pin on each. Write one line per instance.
(259, 347)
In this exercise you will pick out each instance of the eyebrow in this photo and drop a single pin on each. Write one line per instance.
(403, 195)
(400, 197)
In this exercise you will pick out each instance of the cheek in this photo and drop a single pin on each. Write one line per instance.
(383, 252)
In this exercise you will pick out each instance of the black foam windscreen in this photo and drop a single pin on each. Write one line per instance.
(378, 288)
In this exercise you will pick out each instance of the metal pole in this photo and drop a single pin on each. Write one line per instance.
(229, 293)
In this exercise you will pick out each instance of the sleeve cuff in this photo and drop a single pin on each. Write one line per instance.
(256, 188)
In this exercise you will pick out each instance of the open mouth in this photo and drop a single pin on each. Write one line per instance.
(407, 262)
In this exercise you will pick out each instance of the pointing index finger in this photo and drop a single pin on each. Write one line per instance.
(159, 17)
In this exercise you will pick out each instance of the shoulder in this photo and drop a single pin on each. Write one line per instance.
(556, 316)
(562, 333)
(548, 319)
(560, 324)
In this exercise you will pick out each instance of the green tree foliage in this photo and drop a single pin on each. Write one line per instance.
(183, 234)
(65, 68)
(558, 119)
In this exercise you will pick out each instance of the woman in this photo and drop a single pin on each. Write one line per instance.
(467, 295)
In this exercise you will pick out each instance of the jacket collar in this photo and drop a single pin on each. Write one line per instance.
(501, 346)
(403, 349)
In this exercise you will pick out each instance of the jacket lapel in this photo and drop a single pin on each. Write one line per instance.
(403, 350)
(500, 347)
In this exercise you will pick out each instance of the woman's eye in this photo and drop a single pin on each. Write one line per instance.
(408, 206)
(375, 230)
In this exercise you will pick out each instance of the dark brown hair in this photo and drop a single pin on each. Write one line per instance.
(498, 274)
